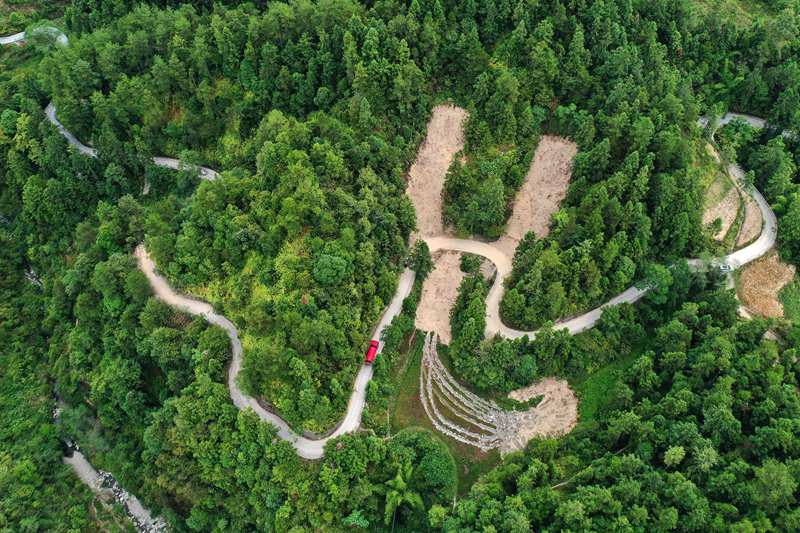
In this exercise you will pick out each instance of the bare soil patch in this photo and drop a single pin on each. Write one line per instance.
(721, 204)
(751, 226)
(713, 153)
(760, 283)
(555, 415)
(541, 194)
(444, 139)
(439, 293)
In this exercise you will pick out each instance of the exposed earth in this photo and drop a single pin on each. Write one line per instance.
(439, 293)
(555, 415)
(723, 205)
(751, 226)
(760, 283)
(540, 196)
(444, 139)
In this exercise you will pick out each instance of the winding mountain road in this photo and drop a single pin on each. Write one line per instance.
(307, 448)
(313, 448)
(503, 263)
(12, 39)
(168, 162)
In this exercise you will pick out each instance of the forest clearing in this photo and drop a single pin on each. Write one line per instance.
(540, 196)
(555, 415)
(443, 140)
(439, 293)
(722, 202)
(760, 284)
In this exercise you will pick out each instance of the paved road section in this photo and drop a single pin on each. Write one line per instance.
(503, 263)
(11, 39)
(169, 162)
(307, 448)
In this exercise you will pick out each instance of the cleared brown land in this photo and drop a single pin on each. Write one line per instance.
(541, 194)
(721, 204)
(555, 415)
(751, 226)
(444, 139)
(439, 293)
(760, 283)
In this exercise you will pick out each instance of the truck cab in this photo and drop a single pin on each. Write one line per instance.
(372, 352)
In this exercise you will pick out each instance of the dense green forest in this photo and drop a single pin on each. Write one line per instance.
(700, 433)
(37, 491)
(313, 111)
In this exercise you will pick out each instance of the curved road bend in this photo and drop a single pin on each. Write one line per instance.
(503, 263)
(168, 162)
(313, 449)
(11, 39)
(307, 448)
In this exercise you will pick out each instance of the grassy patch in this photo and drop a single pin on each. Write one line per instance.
(790, 298)
(710, 170)
(717, 183)
(719, 187)
(471, 462)
(594, 390)
(744, 12)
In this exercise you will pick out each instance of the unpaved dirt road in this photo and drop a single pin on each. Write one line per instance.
(307, 448)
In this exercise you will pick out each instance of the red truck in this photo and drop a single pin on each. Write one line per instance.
(372, 352)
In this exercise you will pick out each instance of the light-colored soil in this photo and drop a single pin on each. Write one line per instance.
(555, 415)
(713, 153)
(751, 226)
(722, 204)
(445, 138)
(439, 293)
(541, 194)
(760, 283)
